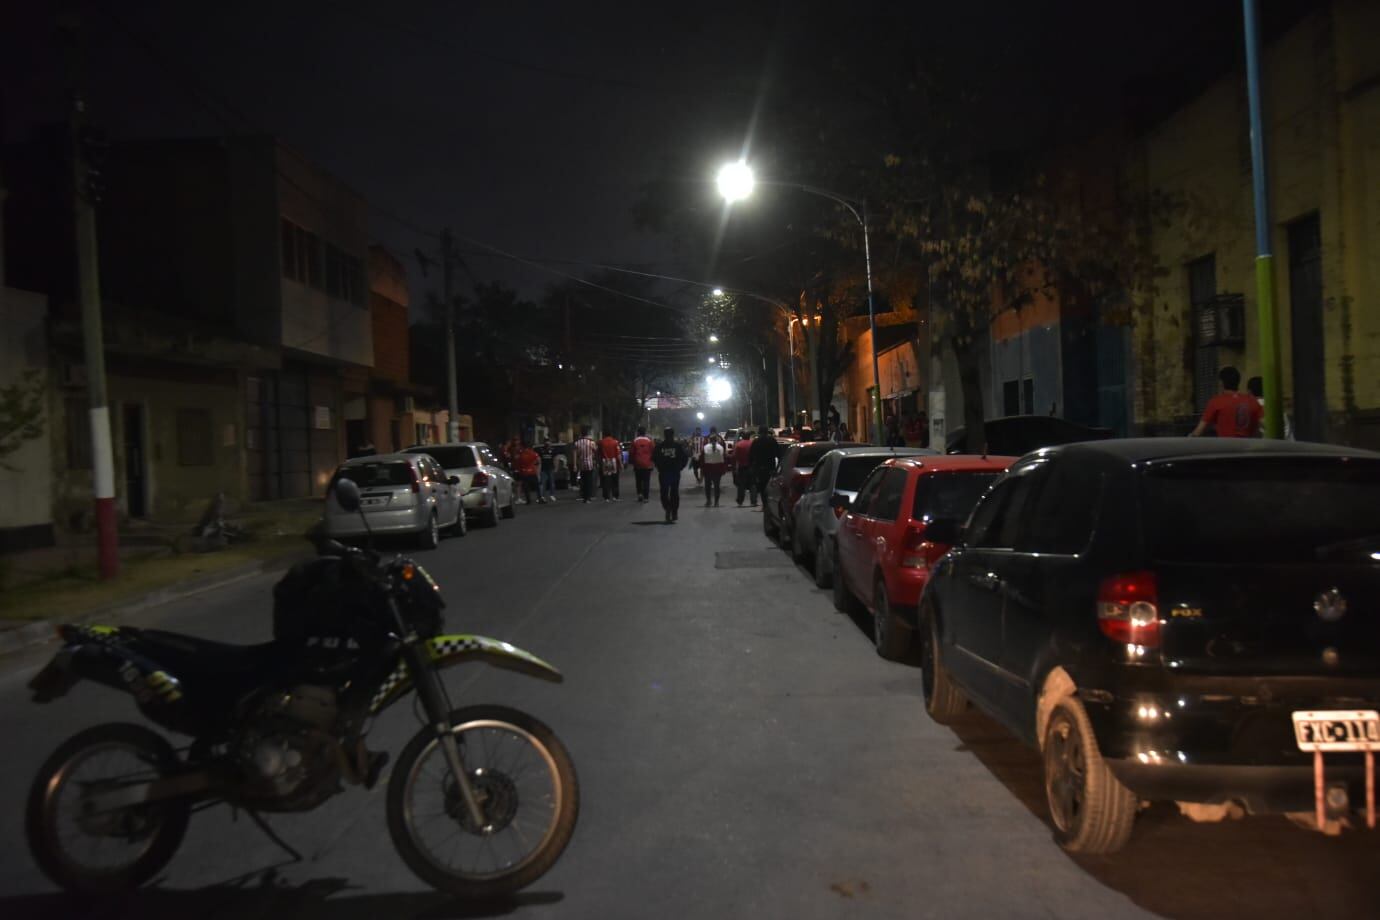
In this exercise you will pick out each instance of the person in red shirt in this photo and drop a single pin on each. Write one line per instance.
(742, 472)
(642, 447)
(528, 469)
(1232, 413)
(610, 465)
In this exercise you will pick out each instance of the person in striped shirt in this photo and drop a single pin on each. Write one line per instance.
(696, 452)
(586, 463)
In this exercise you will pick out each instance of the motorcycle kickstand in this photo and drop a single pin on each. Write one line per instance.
(271, 834)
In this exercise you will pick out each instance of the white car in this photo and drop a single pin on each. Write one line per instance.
(399, 494)
(488, 489)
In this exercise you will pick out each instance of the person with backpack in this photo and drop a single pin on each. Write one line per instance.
(670, 458)
(713, 463)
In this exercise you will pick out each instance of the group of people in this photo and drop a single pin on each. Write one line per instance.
(534, 468)
(1233, 414)
(752, 461)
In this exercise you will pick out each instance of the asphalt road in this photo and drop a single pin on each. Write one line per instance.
(742, 752)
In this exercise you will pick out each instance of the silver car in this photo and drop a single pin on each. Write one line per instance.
(488, 489)
(399, 494)
(838, 473)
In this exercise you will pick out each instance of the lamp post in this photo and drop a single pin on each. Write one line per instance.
(736, 182)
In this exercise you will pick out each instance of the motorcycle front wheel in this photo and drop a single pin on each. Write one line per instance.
(527, 790)
(103, 852)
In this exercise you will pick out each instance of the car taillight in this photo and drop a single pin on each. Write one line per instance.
(479, 480)
(416, 483)
(919, 553)
(1128, 609)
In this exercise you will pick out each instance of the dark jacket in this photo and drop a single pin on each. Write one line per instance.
(766, 454)
(670, 457)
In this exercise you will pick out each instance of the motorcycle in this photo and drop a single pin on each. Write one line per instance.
(481, 802)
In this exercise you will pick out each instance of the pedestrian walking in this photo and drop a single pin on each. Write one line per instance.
(586, 463)
(1232, 413)
(528, 468)
(714, 461)
(610, 466)
(696, 450)
(742, 472)
(763, 457)
(642, 447)
(670, 458)
(546, 485)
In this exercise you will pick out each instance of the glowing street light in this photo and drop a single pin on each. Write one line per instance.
(718, 292)
(713, 339)
(719, 389)
(735, 181)
(699, 416)
(713, 360)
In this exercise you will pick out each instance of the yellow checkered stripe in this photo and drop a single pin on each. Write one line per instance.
(438, 650)
(165, 686)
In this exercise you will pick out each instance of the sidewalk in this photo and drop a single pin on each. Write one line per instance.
(60, 583)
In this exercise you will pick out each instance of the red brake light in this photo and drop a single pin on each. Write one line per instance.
(917, 552)
(416, 483)
(1128, 608)
(479, 480)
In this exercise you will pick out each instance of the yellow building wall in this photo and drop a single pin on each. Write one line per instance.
(1322, 109)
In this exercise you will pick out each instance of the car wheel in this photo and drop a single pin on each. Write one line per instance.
(461, 526)
(824, 568)
(785, 532)
(891, 636)
(844, 601)
(431, 537)
(1092, 812)
(511, 510)
(943, 700)
(798, 549)
(491, 518)
(773, 531)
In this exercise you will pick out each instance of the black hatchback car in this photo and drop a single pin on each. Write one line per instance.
(1169, 619)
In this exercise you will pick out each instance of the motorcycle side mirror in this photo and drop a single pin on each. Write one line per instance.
(347, 495)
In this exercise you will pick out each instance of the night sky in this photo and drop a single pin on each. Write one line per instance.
(532, 126)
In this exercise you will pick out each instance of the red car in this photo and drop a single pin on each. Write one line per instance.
(904, 518)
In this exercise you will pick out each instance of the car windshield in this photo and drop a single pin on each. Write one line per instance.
(810, 453)
(1263, 510)
(853, 470)
(374, 475)
(950, 496)
(452, 458)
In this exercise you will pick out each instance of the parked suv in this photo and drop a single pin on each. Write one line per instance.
(900, 523)
(399, 494)
(1169, 619)
(830, 487)
(488, 489)
(789, 482)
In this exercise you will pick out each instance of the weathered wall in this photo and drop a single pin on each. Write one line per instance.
(25, 511)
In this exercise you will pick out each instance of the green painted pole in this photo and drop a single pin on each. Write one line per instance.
(1264, 259)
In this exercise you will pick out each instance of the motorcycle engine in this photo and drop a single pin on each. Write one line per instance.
(288, 756)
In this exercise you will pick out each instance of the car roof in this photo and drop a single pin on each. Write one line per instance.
(399, 457)
(423, 448)
(1135, 451)
(872, 450)
(955, 462)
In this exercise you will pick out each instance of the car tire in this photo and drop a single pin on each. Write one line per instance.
(785, 532)
(943, 700)
(510, 512)
(430, 538)
(798, 549)
(891, 636)
(772, 531)
(461, 526)
(844, 601)
(823, 568)
(1091, 810)
(491, 517)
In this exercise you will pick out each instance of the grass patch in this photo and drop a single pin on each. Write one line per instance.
(76, 590)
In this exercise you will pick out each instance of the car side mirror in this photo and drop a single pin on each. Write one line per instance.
(840, 501)
(944, 530)
(453, 480)
(347, 495)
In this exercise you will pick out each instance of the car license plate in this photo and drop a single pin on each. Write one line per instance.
(369, 502)
(1338, 730)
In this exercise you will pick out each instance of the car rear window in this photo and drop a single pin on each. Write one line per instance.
(950, 496)
(810, 453)
(452, 458)
(1263, 510)
(853, 471)
(374, 475)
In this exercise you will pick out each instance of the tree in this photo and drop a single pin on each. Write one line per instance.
(21, 414)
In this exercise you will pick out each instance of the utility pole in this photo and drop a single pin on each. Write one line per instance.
(452, 393)
(1264, 258)
(84, 184)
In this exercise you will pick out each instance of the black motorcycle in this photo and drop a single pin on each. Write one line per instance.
(481, 802)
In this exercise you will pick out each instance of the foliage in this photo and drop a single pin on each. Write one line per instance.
(21, 414)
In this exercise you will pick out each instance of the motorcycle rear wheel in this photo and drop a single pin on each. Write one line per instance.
(541, 814)
(152, 831)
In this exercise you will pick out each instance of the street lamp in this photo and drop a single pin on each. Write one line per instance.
(699, 416)
(736, 182)
(718, 292)
(713, 360)
(713, 339)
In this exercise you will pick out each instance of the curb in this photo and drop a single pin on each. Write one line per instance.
(41, 631)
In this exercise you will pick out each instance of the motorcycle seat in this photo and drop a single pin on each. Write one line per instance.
(194, 660)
